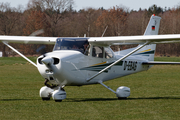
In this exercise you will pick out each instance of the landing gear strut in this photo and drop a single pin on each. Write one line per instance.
(121, 92)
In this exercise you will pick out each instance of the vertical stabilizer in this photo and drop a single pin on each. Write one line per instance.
(152, 29)
(148, 51)
(153, 26)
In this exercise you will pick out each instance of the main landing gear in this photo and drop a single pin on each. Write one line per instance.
(121, 92)
(57, 94)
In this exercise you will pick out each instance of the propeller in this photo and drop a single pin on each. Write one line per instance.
(47, 60)
(37, 32)
(39, 49)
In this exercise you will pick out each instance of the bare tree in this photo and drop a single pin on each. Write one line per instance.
(116, 19)
(9, 19)
(53, 10)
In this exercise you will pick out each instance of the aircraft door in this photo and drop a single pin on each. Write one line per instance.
(108, 53)
(96, 58)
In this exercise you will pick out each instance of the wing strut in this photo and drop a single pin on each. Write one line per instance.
(19, 53)
(141, 46)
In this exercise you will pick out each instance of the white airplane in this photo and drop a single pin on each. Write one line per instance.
(83, 61)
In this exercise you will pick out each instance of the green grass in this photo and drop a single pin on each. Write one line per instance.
(14, 60)
(155, 95)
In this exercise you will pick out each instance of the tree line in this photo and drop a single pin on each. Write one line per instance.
(57, 18)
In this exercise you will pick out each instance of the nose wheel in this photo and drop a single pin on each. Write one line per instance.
(58, 95)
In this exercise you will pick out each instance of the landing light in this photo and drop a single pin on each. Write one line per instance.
(47, 71)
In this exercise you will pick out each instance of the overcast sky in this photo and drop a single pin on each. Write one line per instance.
(106, 4)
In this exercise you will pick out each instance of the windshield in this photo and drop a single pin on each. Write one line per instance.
(78, 44)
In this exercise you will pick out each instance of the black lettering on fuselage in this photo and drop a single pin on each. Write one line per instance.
(130, 65)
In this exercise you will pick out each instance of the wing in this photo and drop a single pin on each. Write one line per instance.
(105, 41)
(28, 39)
(124, 40)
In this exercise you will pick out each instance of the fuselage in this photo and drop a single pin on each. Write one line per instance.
(73, 67)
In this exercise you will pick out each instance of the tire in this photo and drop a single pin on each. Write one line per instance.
(45, 99)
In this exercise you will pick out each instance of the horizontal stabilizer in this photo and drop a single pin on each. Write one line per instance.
(160, 63)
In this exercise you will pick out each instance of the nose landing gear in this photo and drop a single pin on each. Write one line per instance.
(57, 93)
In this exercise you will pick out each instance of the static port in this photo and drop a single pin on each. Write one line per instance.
(39, 61)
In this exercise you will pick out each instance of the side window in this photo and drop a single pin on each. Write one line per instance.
(108, 53)
(87, 50)
(97, 51)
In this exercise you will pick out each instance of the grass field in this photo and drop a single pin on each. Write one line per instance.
(155, 95)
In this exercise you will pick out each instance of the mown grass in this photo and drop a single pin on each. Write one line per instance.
(155, 94)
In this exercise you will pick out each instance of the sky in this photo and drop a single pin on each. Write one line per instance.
(106, 4)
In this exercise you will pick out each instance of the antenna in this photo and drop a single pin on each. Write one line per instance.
(104, 31)
(84, 35)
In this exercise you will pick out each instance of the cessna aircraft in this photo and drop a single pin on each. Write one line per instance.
(83, 61)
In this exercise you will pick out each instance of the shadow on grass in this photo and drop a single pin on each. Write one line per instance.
(116, 99)
(98, 99)
(18, 99)
(89, 99)
(153, 98)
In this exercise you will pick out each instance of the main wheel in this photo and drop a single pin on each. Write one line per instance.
(59, 95)
(45, 93)
(123, 92)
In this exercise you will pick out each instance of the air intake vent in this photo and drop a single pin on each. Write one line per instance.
(56, 61)
(39, 61)
(51, 78)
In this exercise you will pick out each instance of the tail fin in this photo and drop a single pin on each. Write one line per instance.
(148, 51)
(153, 26)
(152, 29)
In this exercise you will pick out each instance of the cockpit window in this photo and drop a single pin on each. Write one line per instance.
(78, 44)
(108, 53)
(97, 51)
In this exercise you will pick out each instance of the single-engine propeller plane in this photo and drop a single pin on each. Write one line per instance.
(77, 61)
